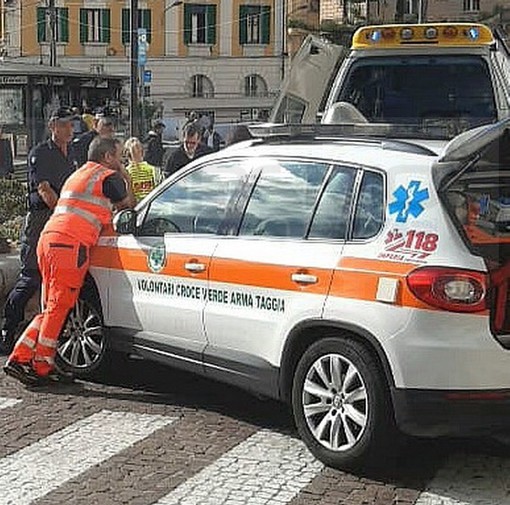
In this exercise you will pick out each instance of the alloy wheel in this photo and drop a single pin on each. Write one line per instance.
(335, 402)
(82, 343)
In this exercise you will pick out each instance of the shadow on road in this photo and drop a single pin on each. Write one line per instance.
(413, 463)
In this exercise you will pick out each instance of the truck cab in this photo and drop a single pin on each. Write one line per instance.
(449, 76)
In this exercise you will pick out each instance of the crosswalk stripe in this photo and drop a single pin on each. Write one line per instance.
(5, 403)
(268, 468)
(469, 480)
(41, 467)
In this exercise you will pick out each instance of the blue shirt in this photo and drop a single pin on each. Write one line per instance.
(46, 162)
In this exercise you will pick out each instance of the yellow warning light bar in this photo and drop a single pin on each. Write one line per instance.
(439, 34)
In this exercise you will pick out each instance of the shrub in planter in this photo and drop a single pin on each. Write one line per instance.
(13, 195)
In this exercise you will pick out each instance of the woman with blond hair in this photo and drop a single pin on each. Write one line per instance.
(144, 177)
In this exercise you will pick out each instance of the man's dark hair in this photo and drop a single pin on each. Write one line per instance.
(192, 129)
(99, 147)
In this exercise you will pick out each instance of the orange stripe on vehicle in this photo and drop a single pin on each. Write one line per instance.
(269, 276)
(354, 278)
(358, 278)
(136, 260)
(380, 266)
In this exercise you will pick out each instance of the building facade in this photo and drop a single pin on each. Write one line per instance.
(222, 57)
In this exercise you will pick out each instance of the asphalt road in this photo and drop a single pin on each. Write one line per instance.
(145, 434)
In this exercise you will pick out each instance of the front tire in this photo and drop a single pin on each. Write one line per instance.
(341, 405)
(82, 345)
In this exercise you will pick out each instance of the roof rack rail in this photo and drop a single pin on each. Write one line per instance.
(290, 131)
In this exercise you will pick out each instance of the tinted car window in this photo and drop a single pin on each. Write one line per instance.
(421, 89)
(332, 215)
(197, 203)
(369, 213)
(283, 199)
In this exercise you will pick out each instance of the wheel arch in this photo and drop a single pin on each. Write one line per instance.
(91, 292)
(310, 331)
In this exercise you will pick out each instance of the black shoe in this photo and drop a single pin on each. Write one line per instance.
(24, 373)
(6, 342)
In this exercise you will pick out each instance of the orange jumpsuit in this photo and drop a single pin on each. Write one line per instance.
(63, 256)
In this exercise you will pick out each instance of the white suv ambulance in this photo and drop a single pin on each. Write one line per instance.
(452, 75)
(362, 279)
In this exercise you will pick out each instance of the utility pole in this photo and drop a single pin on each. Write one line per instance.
(52, 14)
(284, 38)
(134, 123)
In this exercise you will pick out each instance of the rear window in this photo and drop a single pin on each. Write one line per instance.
(422, 90)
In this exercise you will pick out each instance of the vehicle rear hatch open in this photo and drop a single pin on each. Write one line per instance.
(472, 177)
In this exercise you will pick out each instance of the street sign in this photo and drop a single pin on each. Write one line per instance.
(147, 76)
(142, 47)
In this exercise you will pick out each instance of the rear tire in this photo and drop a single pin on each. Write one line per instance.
(83, 343)
(341, 405)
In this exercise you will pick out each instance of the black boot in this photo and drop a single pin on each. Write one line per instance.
(6, 342)
(24, 373)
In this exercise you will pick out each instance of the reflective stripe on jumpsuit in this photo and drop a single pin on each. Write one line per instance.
(63, 265)
(63, 262)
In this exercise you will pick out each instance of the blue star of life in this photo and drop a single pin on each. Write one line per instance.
(408, 201)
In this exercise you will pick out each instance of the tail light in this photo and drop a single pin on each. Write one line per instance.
(451, 289)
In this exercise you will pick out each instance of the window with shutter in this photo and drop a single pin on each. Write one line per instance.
(211, 24)
(105, 26)
(63, 24)
(126, 26)
(255, 24)
(144, 21)
(243, 24)
(95, 25)
(44, 25)
(83, 26)
(41, 24)
(199, 24)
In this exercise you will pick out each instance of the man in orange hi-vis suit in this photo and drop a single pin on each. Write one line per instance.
(84, 207)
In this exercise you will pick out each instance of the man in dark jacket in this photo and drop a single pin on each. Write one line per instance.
(154, 145)
(49, 165)
(102, 126)
(190, 149)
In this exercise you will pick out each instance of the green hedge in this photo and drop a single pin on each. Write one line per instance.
(13, 195)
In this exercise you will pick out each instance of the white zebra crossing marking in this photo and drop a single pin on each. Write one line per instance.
(469, 480)
(267, 468)
(5, 403)
(43, 466)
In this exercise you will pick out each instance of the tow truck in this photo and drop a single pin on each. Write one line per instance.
(447, 77)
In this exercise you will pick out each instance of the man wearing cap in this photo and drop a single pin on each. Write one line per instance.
(102, 127)
(49, 165)
(154, 145)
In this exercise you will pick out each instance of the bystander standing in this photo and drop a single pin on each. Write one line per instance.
(144, 177)
(154, 145)
(190, 149)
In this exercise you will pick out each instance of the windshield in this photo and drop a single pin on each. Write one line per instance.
(448, 90)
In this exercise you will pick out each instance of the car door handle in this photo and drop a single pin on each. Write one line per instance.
(194, 267)
(302, 278)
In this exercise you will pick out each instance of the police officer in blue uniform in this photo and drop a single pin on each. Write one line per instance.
(49, 165)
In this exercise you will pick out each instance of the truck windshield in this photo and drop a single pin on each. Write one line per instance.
(422, 90)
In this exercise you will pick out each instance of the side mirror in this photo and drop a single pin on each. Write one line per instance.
(125, 222)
